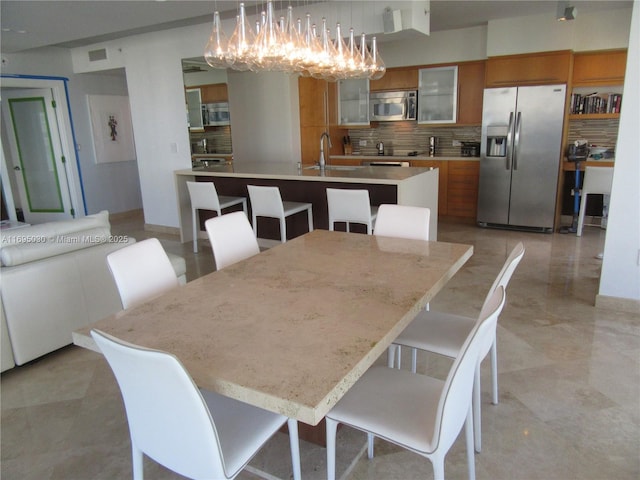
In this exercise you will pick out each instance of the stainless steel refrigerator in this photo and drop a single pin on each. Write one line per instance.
(520, 149)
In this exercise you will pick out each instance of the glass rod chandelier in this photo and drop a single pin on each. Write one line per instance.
(286, 45)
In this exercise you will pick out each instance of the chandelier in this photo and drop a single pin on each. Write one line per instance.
(285, 45)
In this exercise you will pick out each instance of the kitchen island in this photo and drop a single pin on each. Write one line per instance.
(397, 185)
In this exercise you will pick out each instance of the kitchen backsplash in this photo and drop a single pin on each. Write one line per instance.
(218, 140)
(400, 138)
(601, 132)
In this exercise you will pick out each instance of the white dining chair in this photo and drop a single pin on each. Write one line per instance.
(141, 271)
(445, 333)
(417, 412)
(267, 202)
(350, 206)
(402, 221)
(596, 180)
(195, 433)
(231, 238)
(204, 196)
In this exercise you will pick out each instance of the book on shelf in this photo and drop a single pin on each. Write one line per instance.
(595, 102)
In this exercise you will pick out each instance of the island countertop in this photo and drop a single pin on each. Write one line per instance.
(288, 171)
(396, 185)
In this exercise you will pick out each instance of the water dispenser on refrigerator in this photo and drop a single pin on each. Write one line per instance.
(497, 140)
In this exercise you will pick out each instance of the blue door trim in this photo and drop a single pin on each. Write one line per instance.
(73, 130)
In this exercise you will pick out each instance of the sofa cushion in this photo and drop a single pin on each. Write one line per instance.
(28, 244)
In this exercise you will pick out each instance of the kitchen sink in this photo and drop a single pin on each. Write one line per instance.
(333, 167)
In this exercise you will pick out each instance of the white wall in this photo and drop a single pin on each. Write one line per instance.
(538, 33)
(265, 117)
(620, 276)
(440, 47)
(113, 186)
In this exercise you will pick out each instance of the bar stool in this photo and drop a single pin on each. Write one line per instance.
(596, 180)
(350, 206)
(205, 197)
(267, 202)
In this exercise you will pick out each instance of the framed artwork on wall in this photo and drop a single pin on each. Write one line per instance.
(111, 128)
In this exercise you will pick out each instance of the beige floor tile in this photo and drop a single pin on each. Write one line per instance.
(569, 383)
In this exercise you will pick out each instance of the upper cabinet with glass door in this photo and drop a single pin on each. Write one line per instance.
(437, 94)
(194, 110)
(353, 101)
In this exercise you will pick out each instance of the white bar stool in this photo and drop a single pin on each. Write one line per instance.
(350, 206)
(267, 202)
(204, 196)
(596, 180)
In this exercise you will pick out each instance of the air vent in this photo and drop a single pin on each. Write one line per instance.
(96, 55)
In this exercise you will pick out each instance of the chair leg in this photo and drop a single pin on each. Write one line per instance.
(468, 434)
(476, 399)
(399, 358)
(391, 354)
(310, 218)
(244, 207)
(295, 447)
(138, 462)
(347, 225)
(438, 467)
(194, 219)
(332, 427)
(283, 230)
(494, 371)
(254, 223)
(583, 209)
(414, 360)
(370, 438)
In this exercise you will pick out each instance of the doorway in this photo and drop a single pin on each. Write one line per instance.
(40, 174)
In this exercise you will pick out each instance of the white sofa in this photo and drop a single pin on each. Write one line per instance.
(55, 279)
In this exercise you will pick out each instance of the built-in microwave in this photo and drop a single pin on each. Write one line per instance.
(393, 106)
(214, 114)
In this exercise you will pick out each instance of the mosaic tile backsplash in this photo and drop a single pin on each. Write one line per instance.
(218, 140)
(603, 133)
(400, 138)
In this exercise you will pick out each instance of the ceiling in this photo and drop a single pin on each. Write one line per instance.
(28, 24)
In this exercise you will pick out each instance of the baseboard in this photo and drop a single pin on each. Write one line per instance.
(120, 216)
(627, 305)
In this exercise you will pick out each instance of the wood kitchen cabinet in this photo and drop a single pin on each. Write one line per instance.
(599, 68)
(214, 93)
(470, 92)
(318, 105)
(543, 68)
(404, 78)
(462, 188)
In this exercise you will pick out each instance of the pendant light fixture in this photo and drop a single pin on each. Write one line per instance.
(282, 45)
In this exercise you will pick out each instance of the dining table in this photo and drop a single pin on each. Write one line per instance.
(292, 328)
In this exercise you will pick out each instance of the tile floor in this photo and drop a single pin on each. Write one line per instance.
(569, 383)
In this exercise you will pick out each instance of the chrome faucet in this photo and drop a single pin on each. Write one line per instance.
(321, 161)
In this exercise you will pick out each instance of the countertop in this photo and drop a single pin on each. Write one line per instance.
(392, 158)
(285, 170)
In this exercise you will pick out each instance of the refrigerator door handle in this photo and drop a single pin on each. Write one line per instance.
(509, 135)
(516, 144)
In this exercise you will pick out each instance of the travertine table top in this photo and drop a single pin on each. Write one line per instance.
(291, 329)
